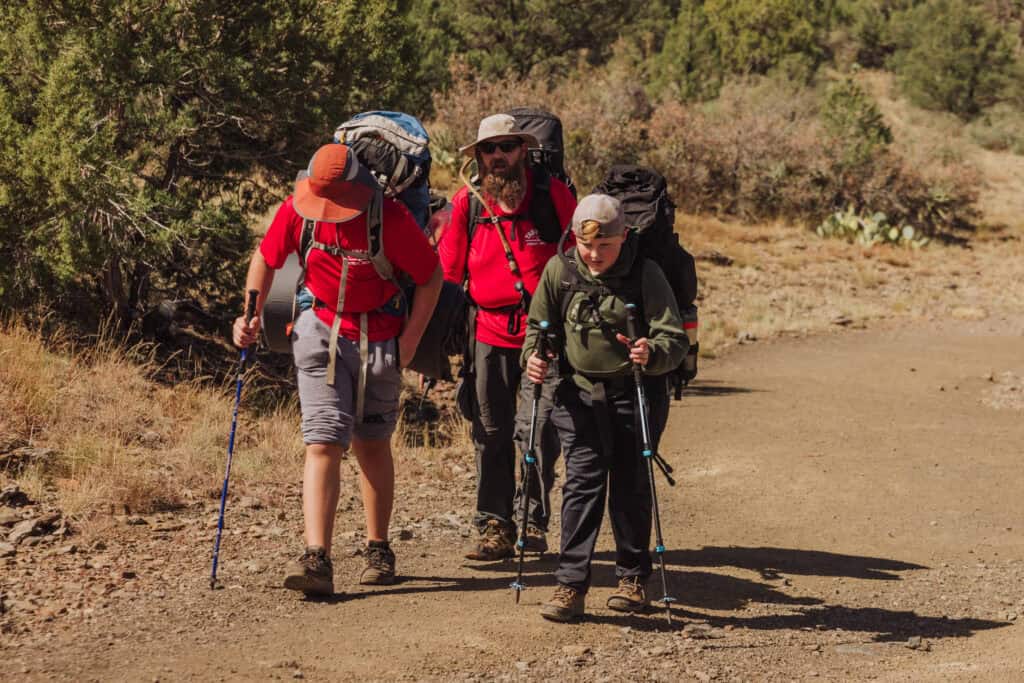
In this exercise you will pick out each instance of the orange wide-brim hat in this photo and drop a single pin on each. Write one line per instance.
(335, 188)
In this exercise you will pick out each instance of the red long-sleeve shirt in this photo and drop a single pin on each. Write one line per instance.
(491, 283)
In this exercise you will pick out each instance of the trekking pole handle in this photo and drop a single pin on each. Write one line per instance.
(543, 347)
(250, 311)
(631, 322)
(631, 331)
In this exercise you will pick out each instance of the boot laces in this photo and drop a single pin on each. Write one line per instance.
(379, 558)
(564, 595)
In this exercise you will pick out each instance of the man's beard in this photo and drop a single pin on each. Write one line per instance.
(505, 183)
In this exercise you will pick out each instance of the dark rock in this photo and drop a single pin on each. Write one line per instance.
(715, 257)
(13, 497)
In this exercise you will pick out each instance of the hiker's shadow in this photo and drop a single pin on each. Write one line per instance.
(706, 590)
(711, 388)
(537, 572)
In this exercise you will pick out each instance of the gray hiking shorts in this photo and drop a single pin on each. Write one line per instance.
(328, 413)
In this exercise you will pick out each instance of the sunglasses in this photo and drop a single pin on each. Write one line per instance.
(505, 146)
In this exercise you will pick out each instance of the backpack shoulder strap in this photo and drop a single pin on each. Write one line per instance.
(306, 240)
(542, 207)
(375, 237)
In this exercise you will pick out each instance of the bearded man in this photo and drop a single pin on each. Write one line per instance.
(500, 237)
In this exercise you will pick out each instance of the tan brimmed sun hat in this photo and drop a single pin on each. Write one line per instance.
(499, 126)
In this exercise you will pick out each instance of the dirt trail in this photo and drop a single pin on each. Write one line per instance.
(849, 508)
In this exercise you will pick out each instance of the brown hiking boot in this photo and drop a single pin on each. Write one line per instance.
(380, 565)
(564, 606)
(496, 542)
(536, 540)
(312, 573)
(631, 595)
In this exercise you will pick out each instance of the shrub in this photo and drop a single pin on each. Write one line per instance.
(755, 35)
(853, 121)
(999, 128)
(136, 139)
(952, 57)
(761, 152)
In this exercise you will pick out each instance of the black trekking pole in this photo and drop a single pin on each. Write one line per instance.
(530, 461)
(250, 311)
(651, 458)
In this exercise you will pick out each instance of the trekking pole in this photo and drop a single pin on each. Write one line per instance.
(250, 311)
(649, 456)
(530, 461)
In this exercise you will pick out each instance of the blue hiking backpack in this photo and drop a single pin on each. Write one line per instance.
(396, 149)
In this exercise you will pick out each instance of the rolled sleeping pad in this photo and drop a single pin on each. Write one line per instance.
(442, 338)
(444, 334)
(279, 308)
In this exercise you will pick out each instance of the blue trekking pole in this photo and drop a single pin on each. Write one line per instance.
(250, 311)
(650, 457)
(530, 461)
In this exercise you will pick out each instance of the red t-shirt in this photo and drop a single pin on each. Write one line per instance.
(405, 245)
(491, 283)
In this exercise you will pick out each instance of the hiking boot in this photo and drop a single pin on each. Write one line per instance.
(380, 565)
(631, 595)
(312, 573)
(496, 542)
(536, 540)
(564, 606)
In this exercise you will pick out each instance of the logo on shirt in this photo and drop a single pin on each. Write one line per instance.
(532, 238)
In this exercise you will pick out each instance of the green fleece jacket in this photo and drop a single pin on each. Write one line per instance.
(591, 348)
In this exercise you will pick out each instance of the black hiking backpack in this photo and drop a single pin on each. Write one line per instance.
(547, 128)
(650, 214)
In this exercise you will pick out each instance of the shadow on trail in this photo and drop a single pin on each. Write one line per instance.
(697, 592)
(887, 625)
(771, 562)
(714, 388)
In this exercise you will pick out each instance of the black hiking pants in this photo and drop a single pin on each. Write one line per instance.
(612, 465)
(501, 432)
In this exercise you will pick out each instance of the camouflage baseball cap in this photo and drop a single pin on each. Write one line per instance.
(598, 215)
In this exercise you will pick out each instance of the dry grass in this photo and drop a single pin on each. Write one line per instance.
(126, 443)
(122, 440)
(786, 280)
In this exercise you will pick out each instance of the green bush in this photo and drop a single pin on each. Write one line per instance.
(688, 66)
(853, 121)
(139, 137)
(950, 56)
(755, 35)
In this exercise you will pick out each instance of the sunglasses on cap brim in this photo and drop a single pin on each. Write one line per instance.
(505, 146)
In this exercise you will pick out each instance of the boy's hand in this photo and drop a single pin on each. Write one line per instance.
(245, 335)
(536, 369)
(639, 350)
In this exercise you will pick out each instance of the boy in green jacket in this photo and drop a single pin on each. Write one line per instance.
(583, 297)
